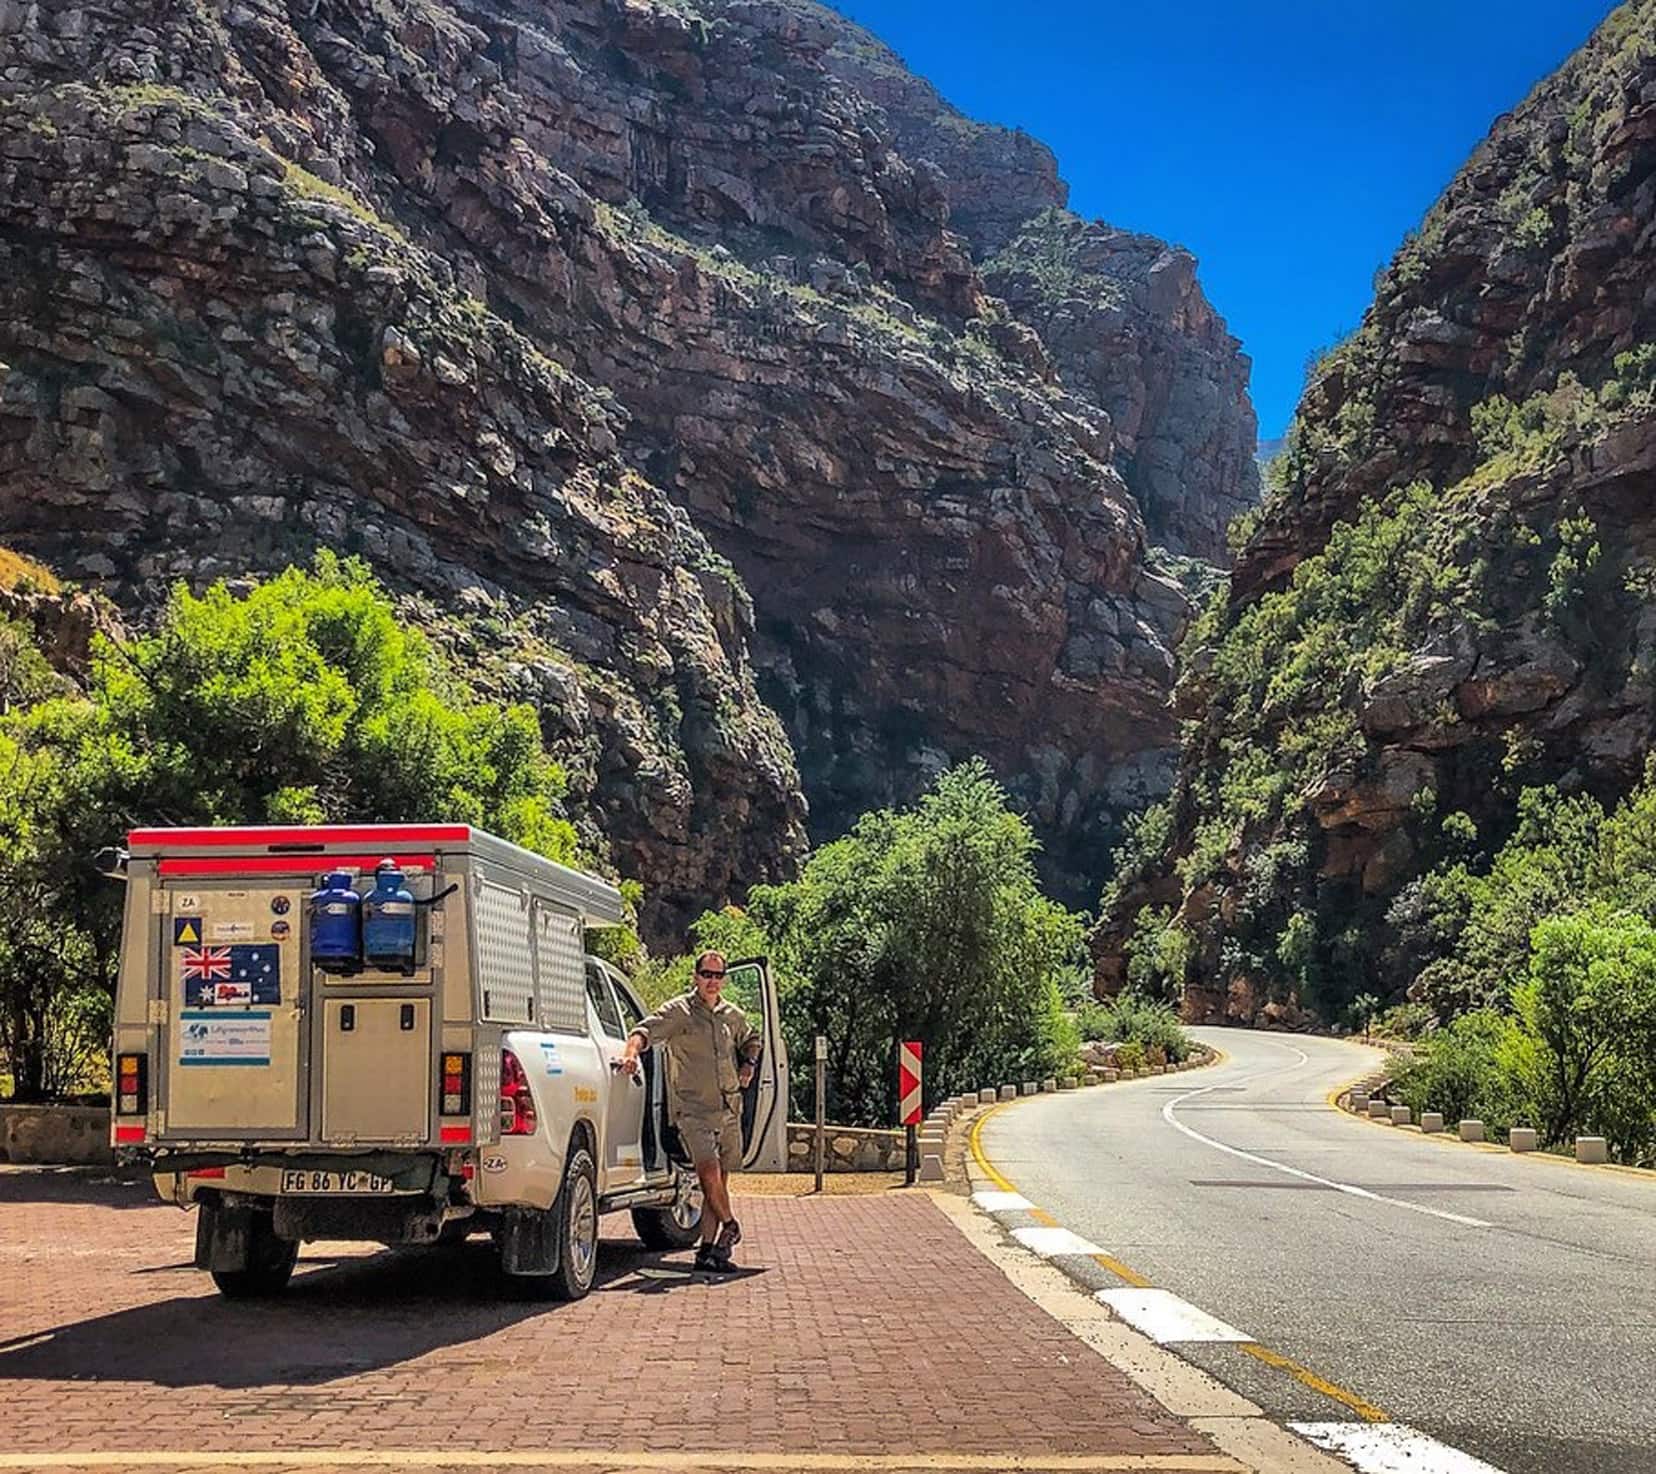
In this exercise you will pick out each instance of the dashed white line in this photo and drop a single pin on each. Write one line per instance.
(1390, 1448)
(1165, 1318)
(1049, 1243)
(999, 1202)
(1342, 1187)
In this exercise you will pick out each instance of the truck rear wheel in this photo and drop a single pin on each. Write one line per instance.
(270, 1262)
(678, 1225)
(571, 1225)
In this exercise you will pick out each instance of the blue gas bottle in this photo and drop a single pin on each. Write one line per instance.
(388, 921)
(336, 924)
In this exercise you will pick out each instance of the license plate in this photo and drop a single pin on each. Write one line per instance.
(324, 1183)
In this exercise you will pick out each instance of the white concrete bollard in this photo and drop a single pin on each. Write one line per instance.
(1009, 1092)
(1522, 1139)
(1049, 1087)
(1379, 1110)
(1471, 1130)
(1069, 1082)
(1030, 1087)
(1594, 1149)
(986, 1095)
(1359, 1102)
(1111, 1076)
(931, 1167)
(1431, 1122)
(1401, 1115)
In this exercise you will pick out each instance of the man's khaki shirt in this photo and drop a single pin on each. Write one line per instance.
(702, 1045)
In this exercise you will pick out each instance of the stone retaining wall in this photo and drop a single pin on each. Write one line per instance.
(849, 1149)
(55, 1135)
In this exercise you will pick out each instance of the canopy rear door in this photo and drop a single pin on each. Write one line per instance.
(231, 1044)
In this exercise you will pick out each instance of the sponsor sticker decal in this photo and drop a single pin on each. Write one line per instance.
(232, 931)
(494, 1162)
(280, 905)
(223, 1038)
(186, 931)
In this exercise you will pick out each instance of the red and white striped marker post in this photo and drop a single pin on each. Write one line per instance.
(908, 1101)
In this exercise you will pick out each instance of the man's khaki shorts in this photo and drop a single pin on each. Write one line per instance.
(710, 1137)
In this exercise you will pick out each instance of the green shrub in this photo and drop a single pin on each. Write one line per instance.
(1131, 1056)
(1457, 1073)
(1143, 1022)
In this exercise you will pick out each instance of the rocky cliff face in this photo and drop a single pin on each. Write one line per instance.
(1127, 326)
(1122, 316)
(1448, 598)
(629, 341)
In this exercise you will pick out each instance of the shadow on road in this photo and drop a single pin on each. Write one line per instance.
(74, 1185)
(336, 1320)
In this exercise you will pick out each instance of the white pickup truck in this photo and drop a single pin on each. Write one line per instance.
(470, 1087)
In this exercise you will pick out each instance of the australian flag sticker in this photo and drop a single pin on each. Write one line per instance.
(232, 976)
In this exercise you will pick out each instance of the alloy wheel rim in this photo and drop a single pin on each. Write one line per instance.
(583, 1230)
(687, 1202)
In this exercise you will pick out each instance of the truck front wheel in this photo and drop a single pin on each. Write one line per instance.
(678, 1225)
(268, 1267)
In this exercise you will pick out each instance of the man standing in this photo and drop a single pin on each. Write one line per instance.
(705, 1037)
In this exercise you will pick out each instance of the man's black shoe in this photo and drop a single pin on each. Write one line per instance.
(707, 1257)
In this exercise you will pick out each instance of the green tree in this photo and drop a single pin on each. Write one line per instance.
(1587, 1011)
(924, 923)
(1364, 1008)
(303, 700)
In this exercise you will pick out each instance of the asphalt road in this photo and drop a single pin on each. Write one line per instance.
(1503, 1305)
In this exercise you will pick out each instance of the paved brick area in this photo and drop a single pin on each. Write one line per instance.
(865, 1325)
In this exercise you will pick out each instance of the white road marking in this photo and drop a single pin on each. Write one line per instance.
(997, 1202)
(1390, 1448)
(1254, 1157)
(1164, 1317)
(1051, 1242)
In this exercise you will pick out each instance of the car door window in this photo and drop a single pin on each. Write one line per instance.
(631, 1014)
(603, 1003)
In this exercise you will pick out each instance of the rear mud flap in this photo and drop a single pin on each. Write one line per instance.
(224, 1237)
(529, 1242)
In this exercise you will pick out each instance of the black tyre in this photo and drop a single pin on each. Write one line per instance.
(575, 1213)
(269, 1268)
(676, 1226)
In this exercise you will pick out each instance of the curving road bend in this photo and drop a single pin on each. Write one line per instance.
(1502, 1305)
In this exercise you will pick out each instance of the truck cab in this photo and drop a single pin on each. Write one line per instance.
(458, 1077)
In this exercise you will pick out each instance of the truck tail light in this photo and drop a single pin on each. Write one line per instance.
(457, 1086)
(131, 1085)
(517, 1105)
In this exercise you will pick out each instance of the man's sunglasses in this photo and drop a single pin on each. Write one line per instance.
(708, 972)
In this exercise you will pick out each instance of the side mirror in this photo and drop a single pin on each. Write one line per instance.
(111, 862)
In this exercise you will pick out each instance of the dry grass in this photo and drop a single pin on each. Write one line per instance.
(16, 569)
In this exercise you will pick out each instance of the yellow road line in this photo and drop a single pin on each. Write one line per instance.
(580, 1458)
(1122, 1271)
(1365, 1410)
(975, 1141)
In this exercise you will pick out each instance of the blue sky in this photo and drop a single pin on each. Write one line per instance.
(1288, 143)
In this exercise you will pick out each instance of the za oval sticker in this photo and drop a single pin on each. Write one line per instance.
(494, 1162)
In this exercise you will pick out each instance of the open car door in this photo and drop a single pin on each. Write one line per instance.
(765, 1102)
